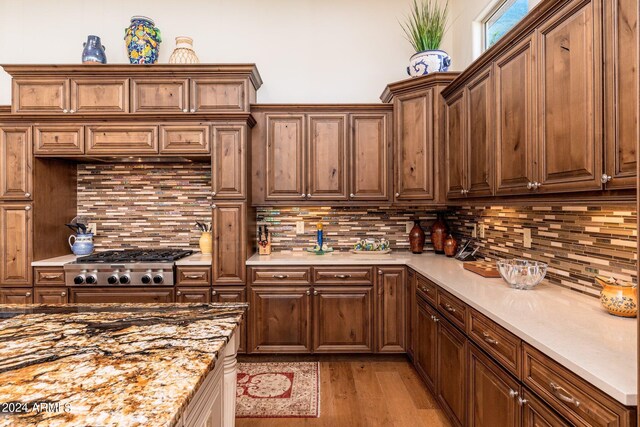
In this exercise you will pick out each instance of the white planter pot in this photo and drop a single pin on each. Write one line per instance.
(427, 62)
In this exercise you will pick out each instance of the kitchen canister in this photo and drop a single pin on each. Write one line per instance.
(206, 243)
(81, 244)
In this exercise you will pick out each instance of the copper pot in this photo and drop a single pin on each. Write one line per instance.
(416, 238)
(450, 246)
(438, 234)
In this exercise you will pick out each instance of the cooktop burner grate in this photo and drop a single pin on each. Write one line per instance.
(135, 255)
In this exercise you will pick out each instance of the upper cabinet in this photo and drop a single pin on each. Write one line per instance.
(15, 163)
(161, 88)
(369, 144)
(285, 157)
(327, 157)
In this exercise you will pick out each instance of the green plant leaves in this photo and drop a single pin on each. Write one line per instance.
(426, 24)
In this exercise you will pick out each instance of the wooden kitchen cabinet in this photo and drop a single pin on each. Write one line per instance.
(16, 296)
(160, 95)
(124, 295)
(120, 139)
(326, 148)
(211, 95)
(185, 139)
(391, 302)
(99, 95)
(621, 78)
(50, 295)
(192, 295)
(412, 312)
(285, 157)
(56, 140)
(536, 413)
(452, 371)
(16, 180)
(229, 242)
(493, 393)
(343, 319)
(229, 162)
(369, 157)
(40, 95)
(425, 351)
(16, 230)
(280, 319)
(455, 132)
(233, 294)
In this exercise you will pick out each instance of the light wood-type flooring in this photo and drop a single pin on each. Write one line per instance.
(362, 391)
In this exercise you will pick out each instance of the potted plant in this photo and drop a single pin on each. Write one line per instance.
(425, 27)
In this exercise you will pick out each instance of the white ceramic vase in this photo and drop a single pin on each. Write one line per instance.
(183, 53)
(427, 62)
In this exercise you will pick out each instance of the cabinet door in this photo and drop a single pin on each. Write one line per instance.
(515, 119)
(156, 95)
(40, 95)
(184, 139)
(327, 157)
(343, 319)
(454, 145)
(121, 139)
(622, 110)
(414, 147)
(391, 309)
(15, 163)
(285, 157)
(369, 165)
(412, 312)
(218, 95)
(536, 413)
(128, 295)
(15, 296)
(188, 295)
(570, 143)
(16, 230)
(58, 140)
(425, 355)
(493, 393)
(229, 162)
(229, 243)
(452, 372)
(233, 294)
(479, 142)
(99, 95)
(280, 319)
(50, 296)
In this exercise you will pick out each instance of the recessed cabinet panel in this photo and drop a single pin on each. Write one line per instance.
(121, 139)
(285, 157)
(124, 296)
(16, 229)
(327, 157)
(160, 95)
(425, 352)
(454, 145)
(40, 95)
(50, 295)
(58, 140)
(369, 157)
(218, 95)
(100, 95)
(15, 163)
(184, 139)
(229, 244)
(452, 371)
(391, 296)
(15, 296)
(229, 161)
(193, 295)
(479, 141)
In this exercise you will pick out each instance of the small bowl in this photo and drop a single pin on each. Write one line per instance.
(521, 273)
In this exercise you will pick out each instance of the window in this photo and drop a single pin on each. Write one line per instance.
(501, 19)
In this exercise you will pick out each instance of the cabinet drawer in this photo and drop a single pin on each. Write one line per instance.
(49, 276)
(121, 296)
(426, 289)
(281, 275)
(159, 95)
(452, 308)
(501, 344)
(100, 95)
(194, 276)
(50, 295)
(575, 399)
(58, 139)
(16, 296)
(193, 295)
(40, 95)
(192, 139)
(217, 95)
(116, 139)
(341, 275)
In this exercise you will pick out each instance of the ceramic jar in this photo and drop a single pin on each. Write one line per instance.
(142, 39)
(427, 62)
(206, 243)
(618, 299)
(438, 234)
(81, 244)
(416, 238)
(93, 52)
(450, 246)
(184, 53)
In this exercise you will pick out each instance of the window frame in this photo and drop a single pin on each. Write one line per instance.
(491, 13)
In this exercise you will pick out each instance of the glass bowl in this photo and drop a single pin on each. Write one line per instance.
(521, 273)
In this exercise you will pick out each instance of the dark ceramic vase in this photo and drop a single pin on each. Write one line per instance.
(450, 246)
(93, 52)
(438, 234)
(416, 238)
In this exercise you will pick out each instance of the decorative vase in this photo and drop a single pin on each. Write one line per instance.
(618, 299)
(142, 39)
(183, 53)
(416, 238)
(438, 234)
(427, 62)
(205, 242)
(93, 52)
(81, 244)
(450, 246)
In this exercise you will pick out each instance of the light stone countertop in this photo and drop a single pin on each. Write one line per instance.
(571, 328)
(196, 259)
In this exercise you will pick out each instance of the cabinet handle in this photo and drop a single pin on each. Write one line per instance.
(178, 293)
(435, 319)
(308, 292)
(448, 307)
(536, 185)
(27, 194)
(27, 294)
(605, 178)
(563, 395)
(315, 292)
(214, 292)
(342, 276)
(425, 289)
(513, 393)
(488, 338)
(52, 276)
(63, 294)
(27, 208)
(280, 276)
(194, 276)
(522, 401)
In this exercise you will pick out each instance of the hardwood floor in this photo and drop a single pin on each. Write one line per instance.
(362, 391)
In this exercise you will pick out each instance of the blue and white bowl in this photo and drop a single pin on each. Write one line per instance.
(427, 62)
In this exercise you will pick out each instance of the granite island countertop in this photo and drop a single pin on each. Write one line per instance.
(109, 364)
(571, 328)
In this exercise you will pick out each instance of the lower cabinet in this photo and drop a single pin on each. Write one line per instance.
(451, 367)
(16, 229)
(233, 294)
(391, 309)
(536, 413)
(16, 296)
(124, 295)
(50, 295)
(425, 350)
(412, 313)
(192, 295)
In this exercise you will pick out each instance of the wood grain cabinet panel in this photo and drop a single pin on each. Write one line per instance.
(515, 93)
(479, 140)
(49, 276)
(391, 314)
(157, 95)
(16, 230)
(229, 162)
(128, 295)
(369, 168)
(499, 343)
(264, 275)
(184, 139)
(426, 339)
(343, 319)
(414, 147)
(426, 289)
(193, 276)
(15, 163)
(455, 145)
(452, 372)
(233, 294)
(493, 393)
(193, 295)
(343, 275)
(99, 95)
(326, 157)
(536, 413)
(229, 247)
(452, 308)
(58, 140)
(412, 313)
(16, 296)
(44, 95)
(280, 319)
(622, 109)
(285, 157)
(218, 95)
(50, 295)
(121, 139)
(570, 84)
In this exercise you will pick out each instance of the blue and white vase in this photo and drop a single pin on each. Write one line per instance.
(142, 39)
(93, 52)
(427, 62)
(82, 244)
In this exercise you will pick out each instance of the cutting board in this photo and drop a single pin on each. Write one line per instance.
(483, 268)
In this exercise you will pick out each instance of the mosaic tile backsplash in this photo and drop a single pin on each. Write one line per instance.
(145, 205)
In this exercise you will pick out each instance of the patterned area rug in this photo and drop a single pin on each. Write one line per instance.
(278, 390)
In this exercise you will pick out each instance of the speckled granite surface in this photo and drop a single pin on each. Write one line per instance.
(108, 364)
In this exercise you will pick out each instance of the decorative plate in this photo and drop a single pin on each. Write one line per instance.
(383, 252)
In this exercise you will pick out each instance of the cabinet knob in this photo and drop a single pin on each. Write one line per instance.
(308, 292)
(214, 292)
(65, 111)
(435, 319)
(513, 393)
(213, 193)
(536, 185)
(605, 178)
(397, 194)
(27, 194)
(185, 110)
(63, 294)
(178, 293)
(304, 195)
(352, 195)
(213, 206)
(379, 271)
(27, 294)
(193, 110)
(315, 292)
(72, 111)
(27, 208)
(529, 185)
(522, 401)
